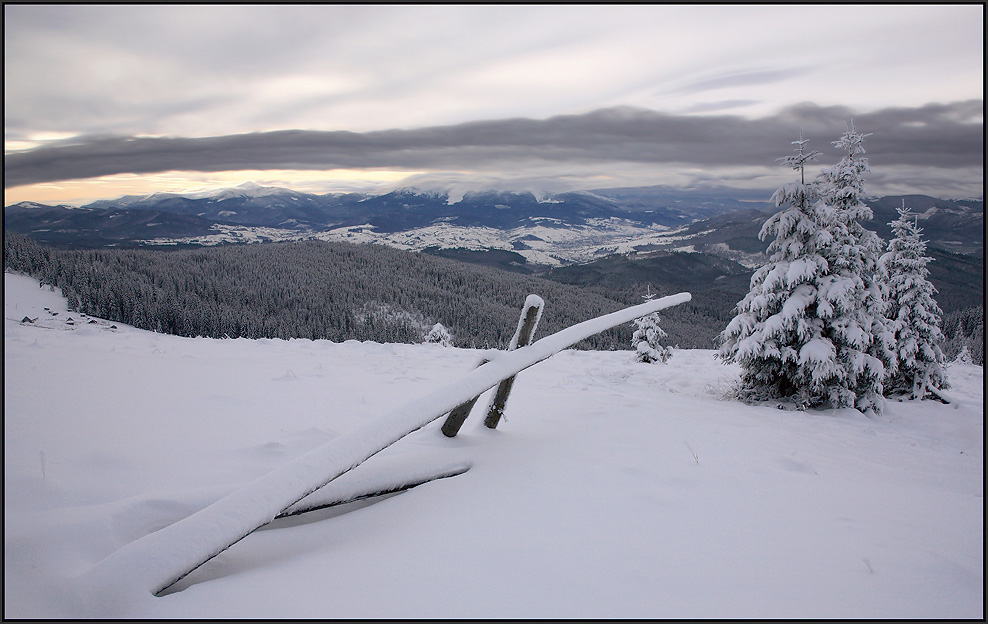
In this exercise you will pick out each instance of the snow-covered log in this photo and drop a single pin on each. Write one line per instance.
(456, 418)
(158, 560)
(379, 478)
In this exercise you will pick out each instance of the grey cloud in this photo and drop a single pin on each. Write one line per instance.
(930, 136)
(742, 79)
(709, 107)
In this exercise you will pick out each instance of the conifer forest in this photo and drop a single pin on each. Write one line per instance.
(326, 290)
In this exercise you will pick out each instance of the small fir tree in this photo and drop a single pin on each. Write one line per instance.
(916, 317)
(780, 336)
(964, 357)
(647, 335)
(439, 335)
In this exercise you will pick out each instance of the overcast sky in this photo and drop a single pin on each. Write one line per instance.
(105, 100)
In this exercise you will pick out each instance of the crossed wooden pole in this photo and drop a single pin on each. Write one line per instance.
(158, 560)
(530, 315)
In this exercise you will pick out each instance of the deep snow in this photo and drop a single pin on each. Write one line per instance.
(613, 489)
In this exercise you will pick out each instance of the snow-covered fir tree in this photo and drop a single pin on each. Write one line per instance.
(439, 335)
(964, 357)
(647, 335)
(915, 315)
(780, 335)
(858, 328)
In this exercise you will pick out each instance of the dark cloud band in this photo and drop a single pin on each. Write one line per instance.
(939, 136)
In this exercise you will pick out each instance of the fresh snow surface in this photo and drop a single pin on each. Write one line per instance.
(612, 489)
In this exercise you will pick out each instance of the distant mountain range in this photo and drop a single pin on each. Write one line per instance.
(551, 231)
(250, 205)
(615, 241)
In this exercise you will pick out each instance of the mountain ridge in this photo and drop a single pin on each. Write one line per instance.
(575, 237)
(611, 220)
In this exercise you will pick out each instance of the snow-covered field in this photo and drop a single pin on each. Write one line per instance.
(613, 489)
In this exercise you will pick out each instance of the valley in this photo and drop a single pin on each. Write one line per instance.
(610, 244)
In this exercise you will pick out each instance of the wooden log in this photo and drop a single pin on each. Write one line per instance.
(384, 484)
(523, 336)
(459, 414)
(531, 312)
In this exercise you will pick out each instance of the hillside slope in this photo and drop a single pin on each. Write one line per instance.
(613, 489)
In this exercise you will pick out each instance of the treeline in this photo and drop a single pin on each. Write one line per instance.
(322, 290)
(342, 291)
(965, 328)
(715, 283)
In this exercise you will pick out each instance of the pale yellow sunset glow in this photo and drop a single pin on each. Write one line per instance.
(80, 192)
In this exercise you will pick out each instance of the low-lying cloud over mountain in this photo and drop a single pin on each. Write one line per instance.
(928, 148)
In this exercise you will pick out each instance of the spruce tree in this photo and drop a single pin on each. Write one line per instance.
(439, 335)
(780, 335)
(647, 335)
(915, 315)
(863, 341)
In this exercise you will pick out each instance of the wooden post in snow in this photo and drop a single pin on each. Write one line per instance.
(459, 414)
(531, 312)
(530, 316)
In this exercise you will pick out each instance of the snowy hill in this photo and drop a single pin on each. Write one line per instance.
(613, 489)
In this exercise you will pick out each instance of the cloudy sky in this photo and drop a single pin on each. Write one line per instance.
(100, 101)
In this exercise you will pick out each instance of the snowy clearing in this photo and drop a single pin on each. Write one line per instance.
(612, 489)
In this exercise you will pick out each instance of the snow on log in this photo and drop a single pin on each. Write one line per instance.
(531, 313)
(158, 560)
(943, 396)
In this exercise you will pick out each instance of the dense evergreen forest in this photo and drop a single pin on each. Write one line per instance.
(342, 291)
(965, 328)
(326, 290)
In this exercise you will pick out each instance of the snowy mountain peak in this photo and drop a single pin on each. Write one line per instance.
(249, 189)
(36, 206)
